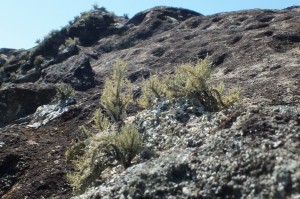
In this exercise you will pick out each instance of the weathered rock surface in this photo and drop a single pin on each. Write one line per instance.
(245, 153)
(20, 101)
(76, 71)
(251, 151)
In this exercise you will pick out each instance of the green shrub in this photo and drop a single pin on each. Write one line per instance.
(89, 164)
(69, 44)
(48, 46)
(38, 61)
(103, 148)
(75, 151)
(228, 99)
(154, 88)
(117, 93)
(101, 122)
(126, 144)
(191, 81)
(63, 92)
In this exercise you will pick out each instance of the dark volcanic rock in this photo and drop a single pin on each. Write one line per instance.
(250, 151)
(92, 26)
(157, 20)
(76, 71)
(242, 47)
(20, 101)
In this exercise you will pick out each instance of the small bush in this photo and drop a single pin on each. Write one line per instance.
(63, 92)
(90, 164)
(48, 46)
(229, 99)
(191, 81)
(154, 88)
(101, 122)
(102, 149)
(75, 151)
(11, 59)
(126, 144)
(117, 93)
(38, 61)
(69, 44)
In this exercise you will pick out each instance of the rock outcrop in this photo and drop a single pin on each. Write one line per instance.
(75, 71)
(250, 151)
(20, 101)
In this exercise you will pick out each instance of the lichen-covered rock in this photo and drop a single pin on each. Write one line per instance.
(250, 151)
(238, 161)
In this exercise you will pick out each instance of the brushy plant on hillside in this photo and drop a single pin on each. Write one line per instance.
(48, 46)
(88, 164)
(154, 88)
(228, 99)
(126, 144)
(63, 92)
(117, 93)
(38, 61)
(105, 146)
(191, 81)
(70, 44)
(100, 153)
(101, 122)
(88, 156)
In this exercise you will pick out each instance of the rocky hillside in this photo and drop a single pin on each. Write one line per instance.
(247, 151)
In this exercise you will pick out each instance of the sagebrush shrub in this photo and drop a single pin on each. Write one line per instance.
(104, 145)
(126, 144)
(191, 81)
(70, 43)
(88, 164)
(63, 92)
(228, 99)
(101, 122)
(38, 61)
(102, 149)
(154, 88)
(117, 93)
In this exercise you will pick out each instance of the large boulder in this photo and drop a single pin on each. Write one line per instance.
(76, 71)
(91, 26)
(20, 101)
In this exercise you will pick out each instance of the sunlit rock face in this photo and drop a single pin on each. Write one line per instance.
(249, 151)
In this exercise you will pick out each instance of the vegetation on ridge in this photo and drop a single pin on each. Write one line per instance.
(117, 93)
(191, 81)
(111, 141)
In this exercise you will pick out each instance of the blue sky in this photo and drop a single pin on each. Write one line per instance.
(22, 22)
